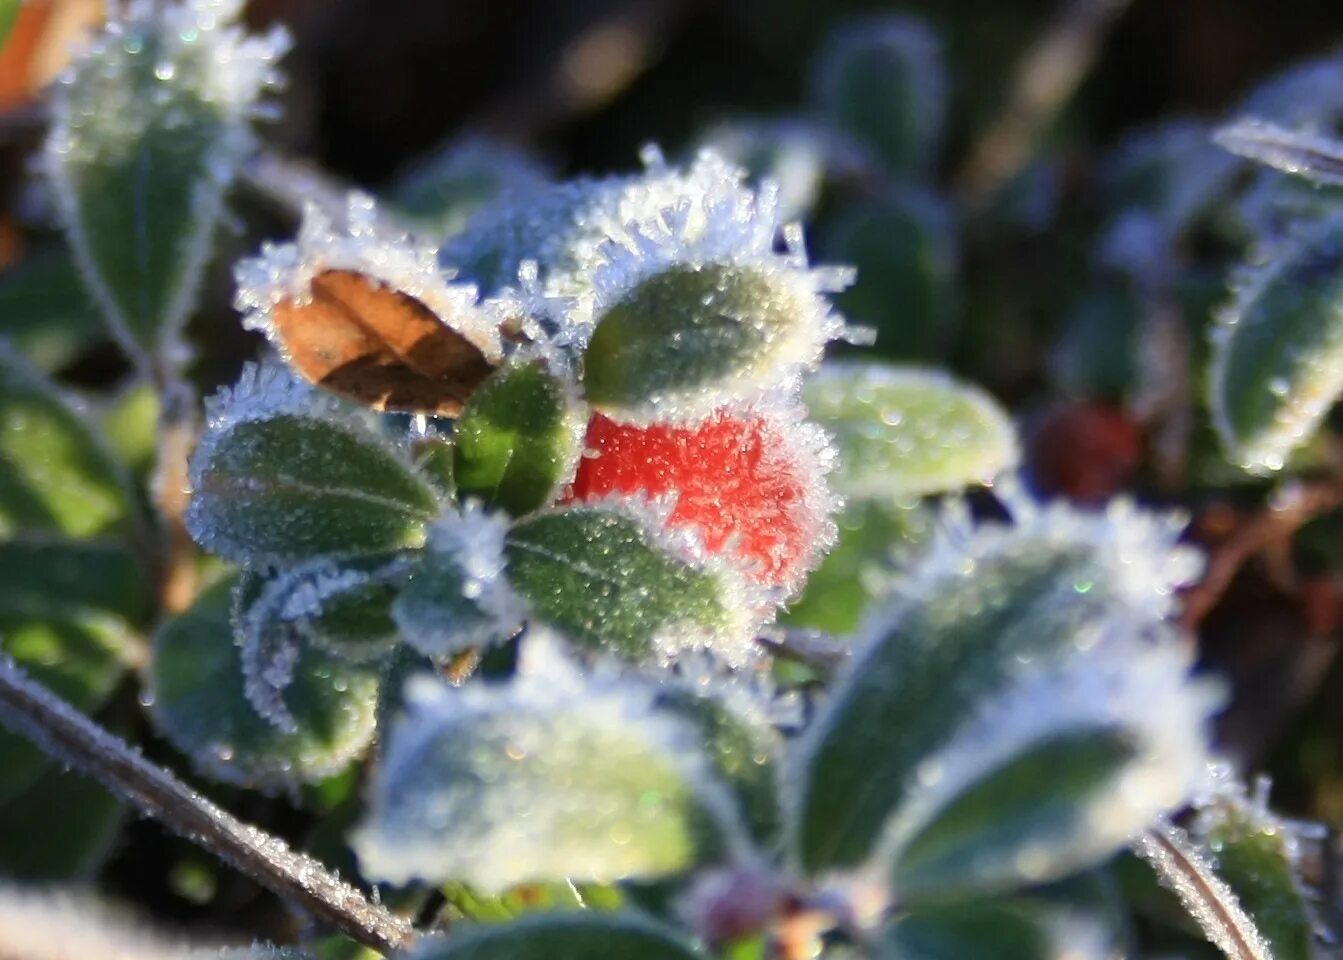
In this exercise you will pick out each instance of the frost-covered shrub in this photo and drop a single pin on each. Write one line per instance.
(566, 559)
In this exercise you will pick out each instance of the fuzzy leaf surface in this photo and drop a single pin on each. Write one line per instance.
(147, 134)
(935, 701)
(688, 330)
(599, 578)
(1251, 851)
(287, 487)
(1277, 352)
(536, 780)
(517, 439)
(904, 432)
(199, 702)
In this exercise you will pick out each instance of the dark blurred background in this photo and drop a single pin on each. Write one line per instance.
(376, 82)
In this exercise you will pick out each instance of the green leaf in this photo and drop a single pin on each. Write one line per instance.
(66, 615)
(147, 134)
(578, 935)
(518, 438)
(1012, 811)
(996, 647)
(599, 577)
(80, 659)
(340, 605)
(905, 251)
(434, 458)
(1253, 852)
(457, 597)
(540, 779)
(875, 540)
(60, 828)
(691, 336)
(198, 702)
(467, 904)
(48, 579)
(55, 472)
(130, 422)
(1003, 930)
(742, 744)
(881, 79)
(283, 475)
(903, 432)
(48, 315)
(1277, 351)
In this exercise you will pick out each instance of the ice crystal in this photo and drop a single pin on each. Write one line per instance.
(1137, 553)
(561, 227)
(738, 230)
(1311, 155)
(365, 245)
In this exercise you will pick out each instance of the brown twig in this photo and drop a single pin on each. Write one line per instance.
(28, 708)
(1045, 80)
(1210, 901)
(1289, 510)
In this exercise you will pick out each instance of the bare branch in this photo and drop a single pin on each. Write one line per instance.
(1183, 869)
(30, 709)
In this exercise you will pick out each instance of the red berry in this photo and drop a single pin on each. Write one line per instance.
(1086, 452)
(752, 484)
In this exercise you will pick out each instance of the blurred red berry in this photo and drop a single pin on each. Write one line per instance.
(751, 484)
(1086, 452)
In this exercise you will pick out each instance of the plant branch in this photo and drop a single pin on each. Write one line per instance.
(30, 709)
(1182, 868)
(1045, 80)
(1288, 511)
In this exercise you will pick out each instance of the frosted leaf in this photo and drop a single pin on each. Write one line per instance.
(882, 80)
(55, 924)
(734, 716)
(520, 436)
(366, 246)
(1277, 349)
(1313, 156)
(980, 608)
(1306, 95)
(904, 432)
(1171, 173)
(197, 700)
(546, 776)
(149, 127)
(561, 935)
(1186, 870)
(1258, 855)
(561, 227)
(614, 576)
(458, 596)
(285, 472)
(695, 306)
(1017, 929)
(1122, 734)
(339, 605)
(441, 192)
